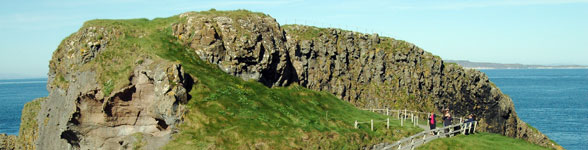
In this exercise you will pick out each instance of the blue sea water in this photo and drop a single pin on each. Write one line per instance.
(555, 101)
(13, 95)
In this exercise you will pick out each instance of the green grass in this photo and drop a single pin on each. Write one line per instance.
(225, 112)
(480, 141)
(229, 113)
(304, 32)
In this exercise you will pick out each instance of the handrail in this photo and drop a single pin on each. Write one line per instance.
(418, 141)
(415, 139)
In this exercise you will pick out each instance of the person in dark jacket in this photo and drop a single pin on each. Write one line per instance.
(469, 122)
(432, 122)
(447, 120)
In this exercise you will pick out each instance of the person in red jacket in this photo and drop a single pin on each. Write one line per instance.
(432, 122)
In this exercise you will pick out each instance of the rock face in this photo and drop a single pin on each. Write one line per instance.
(366, 70)
(140, 103)
(83, 113)
(84, 118)
(253, 49)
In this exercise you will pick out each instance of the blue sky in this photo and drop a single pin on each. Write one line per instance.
(503, 31)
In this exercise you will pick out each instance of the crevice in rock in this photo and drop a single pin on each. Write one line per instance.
(75, 117)
(71, 138)
(126, 95)
(161, 124)
(136, 119)
(108, 108)
(188, 84)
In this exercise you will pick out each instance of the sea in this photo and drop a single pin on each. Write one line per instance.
(13, 95)
(555, 101)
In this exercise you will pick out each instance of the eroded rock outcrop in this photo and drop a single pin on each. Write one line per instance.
(84, 118)
(253, 48)
(83, 112)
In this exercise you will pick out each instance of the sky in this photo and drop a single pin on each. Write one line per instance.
(546, 32)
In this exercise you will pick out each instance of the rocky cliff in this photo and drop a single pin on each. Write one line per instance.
(364, 69)
(109, 89)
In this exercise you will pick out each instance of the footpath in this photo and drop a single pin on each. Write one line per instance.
(409, 143)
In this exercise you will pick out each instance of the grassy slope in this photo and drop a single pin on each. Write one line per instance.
(481, 141)
(228, 113)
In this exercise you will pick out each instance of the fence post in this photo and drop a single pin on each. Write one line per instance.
(356, 124)
(475, 123)
(464, 128)
(388, 123)
(387, 112)
(401, 122)
(471, 124)
(373, 109)
(417, 119)
(398, 114)
(372, 124)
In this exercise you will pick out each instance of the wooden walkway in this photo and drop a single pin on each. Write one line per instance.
(421, 138)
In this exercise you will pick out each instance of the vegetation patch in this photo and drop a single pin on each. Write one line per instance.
(304, 32)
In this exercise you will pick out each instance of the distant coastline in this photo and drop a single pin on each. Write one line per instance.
(486, 65)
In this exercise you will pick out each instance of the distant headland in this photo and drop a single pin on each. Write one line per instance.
(487, 65)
